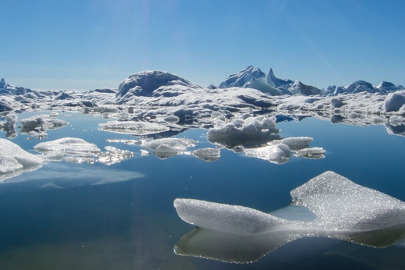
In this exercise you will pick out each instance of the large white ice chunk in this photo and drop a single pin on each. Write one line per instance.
(250, 132)
(13, 159)
(329, 206)
(133, 127)
(338, 204)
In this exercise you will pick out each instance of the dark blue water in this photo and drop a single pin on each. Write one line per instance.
(131, 223)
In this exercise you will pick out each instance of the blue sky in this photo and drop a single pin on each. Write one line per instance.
(88, 44)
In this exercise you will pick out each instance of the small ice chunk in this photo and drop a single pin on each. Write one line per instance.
(133, 127)
(278, 153)
(40, 123)
(311, 153)
(207, 154)
(164, 151)
(297, 143)
(180, 144)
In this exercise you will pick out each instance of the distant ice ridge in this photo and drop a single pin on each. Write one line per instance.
(329, 206)
(14, 160)
(252, 77)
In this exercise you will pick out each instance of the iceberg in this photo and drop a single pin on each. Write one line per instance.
(327, 206)
(14, 160)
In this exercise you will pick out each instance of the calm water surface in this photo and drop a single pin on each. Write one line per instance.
(130, 222)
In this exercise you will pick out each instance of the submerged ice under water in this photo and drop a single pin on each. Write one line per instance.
(101, 192)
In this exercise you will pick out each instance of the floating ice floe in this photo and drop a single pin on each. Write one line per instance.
(311, 153)
(76, 150)
(37, 125)
(168, 147)
(249, 132)
(68, 149)
(278, 153)
(297, 143)
(133, 127)
(328, 206)
(14, 160)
